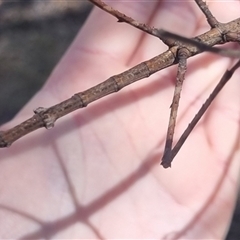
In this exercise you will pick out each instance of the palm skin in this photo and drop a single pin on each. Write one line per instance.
(97, 173)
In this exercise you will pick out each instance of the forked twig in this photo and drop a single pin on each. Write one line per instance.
(179, 50)
(230, 36)
(167, 159)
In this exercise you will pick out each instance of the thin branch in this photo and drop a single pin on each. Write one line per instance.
(123, 18)
(210, 18)
(183, 54)
(180, 49)
(225, 78)
(230, 36)
(45, 117)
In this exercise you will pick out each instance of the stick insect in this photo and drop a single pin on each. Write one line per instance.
(180, 49)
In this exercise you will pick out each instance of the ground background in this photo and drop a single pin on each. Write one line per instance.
(33, 37)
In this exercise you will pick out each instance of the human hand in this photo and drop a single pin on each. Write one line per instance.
(97, 173)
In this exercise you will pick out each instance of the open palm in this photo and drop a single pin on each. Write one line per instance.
(97, 173)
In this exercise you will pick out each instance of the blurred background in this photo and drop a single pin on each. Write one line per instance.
(33, 37)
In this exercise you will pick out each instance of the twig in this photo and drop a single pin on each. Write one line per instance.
(170, 153)
(166, 162)
(210, 18)
(46, 117)
(180, 49)
(230, 36)
(183, 54)
(123, 18)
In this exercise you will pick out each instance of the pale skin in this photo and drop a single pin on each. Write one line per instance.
(97, 173)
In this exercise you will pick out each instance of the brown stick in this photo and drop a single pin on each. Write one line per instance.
(123, 18)
(219, 34)
(47, 117)
(225, 78)
(212, 21)
(183, 54)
